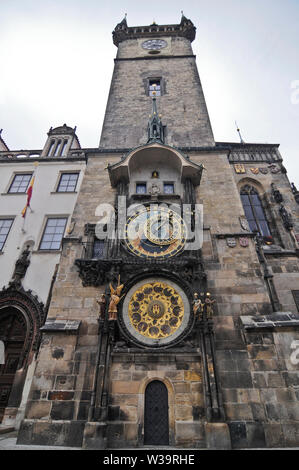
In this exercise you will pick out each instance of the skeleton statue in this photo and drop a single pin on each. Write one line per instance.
(209, 305)
(114, 300)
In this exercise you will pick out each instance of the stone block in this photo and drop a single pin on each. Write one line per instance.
(62, 410)
(121, 387)
(48, 434)
(255, 435)
(217, 436)
(182, 387)
(25, 432)
(190, 434)
(238, 412)
(192, 376)
(94, 435)
(38, 410)
(128, 413)
(74, 434)
(183, 413)
(274, 435)
(60, 395)
(236, 380)
(291, 434)
(238, 434)
(65, 382)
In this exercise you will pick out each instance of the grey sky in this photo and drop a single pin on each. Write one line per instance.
(57, 62)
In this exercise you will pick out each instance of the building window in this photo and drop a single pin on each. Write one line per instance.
(254, 211)
(5, 225)
(154, 85)
(98, 249)
(67, 182)
(20, 183)
(53, 233)
(296, 298)
(141, 188)
(168, 188)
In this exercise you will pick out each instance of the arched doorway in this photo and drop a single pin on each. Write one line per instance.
(156, 420)
(13, 330)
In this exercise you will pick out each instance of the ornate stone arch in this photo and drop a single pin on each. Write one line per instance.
(32, 315)
(251, 182)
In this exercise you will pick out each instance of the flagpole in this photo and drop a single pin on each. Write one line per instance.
(29, 195)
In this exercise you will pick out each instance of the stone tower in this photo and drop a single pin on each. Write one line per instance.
(159, 55)
(175, 329)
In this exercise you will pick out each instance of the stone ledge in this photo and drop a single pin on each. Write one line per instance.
(67, 326)
(275, 320)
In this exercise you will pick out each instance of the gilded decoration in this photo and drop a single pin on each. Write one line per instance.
(156, 310)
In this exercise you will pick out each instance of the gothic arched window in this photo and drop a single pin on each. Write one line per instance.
(254, 211)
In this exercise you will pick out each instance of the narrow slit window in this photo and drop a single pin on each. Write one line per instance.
(57, 148)
(51, 147)
(168, 188)
(155, 86)
(141, 188)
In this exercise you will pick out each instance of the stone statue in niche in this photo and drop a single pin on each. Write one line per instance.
(102, 303)
(197, 306)
(154, 190)
(21, 266)
(114, 300)
(286, 217)
(276, 194)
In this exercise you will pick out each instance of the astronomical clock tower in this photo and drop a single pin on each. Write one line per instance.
(135, 331)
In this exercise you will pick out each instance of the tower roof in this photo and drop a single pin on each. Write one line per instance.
(184, 29)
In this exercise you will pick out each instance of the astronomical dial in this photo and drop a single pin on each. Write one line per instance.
(155, 312)
(155, 233)
(154, 44)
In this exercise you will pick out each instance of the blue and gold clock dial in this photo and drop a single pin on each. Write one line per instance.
(155, 233)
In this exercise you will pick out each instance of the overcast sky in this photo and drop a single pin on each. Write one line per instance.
(57, 62)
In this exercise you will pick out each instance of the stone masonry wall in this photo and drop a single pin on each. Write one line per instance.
(182, 103)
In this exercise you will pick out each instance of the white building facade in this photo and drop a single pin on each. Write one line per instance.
(30, 250)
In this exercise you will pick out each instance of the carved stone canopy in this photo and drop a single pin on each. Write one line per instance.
(156, 153)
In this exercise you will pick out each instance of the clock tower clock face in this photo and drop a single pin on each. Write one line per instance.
(154, 44)
(155, 312)
(155, 233)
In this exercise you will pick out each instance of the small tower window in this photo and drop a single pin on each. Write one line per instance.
(98, 249)
(141, 188)
(63, 148)
(51, 147)
(168, 188)
(57, 148)
(154, 85)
